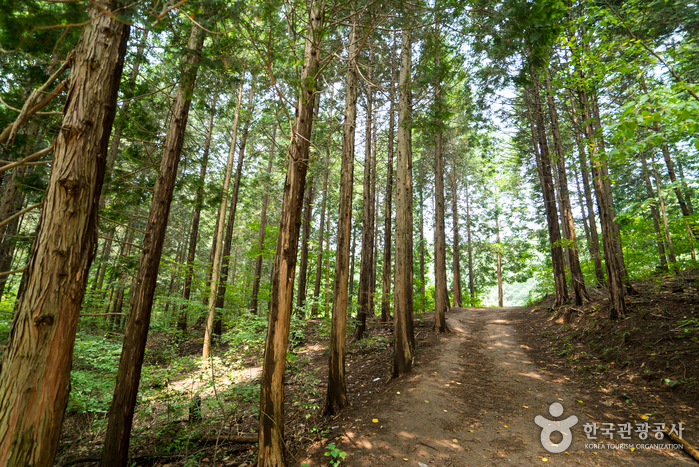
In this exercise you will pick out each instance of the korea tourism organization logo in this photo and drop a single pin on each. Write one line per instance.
(603, 436)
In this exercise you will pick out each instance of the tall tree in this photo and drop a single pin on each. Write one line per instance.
(456, 260)
(271, 451)
(263, 226)
(566, 209)
(196, 217)
(218, 243)
(403, 334)
(336, 397)
(35, 372)
(441, 297)
(388, 205)
(116, 445)
(365, 266)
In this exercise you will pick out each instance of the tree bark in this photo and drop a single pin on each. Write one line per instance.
(388, 205)
(593, 243)
(403, 334)
(499, 256)
(365, 266)
(469, 244)
(336, 397)
(615, 276)
(116, 446)
(671, 249)
(196, 217)
(456, 260)
(544, 163)
(35, 372)
(566, 209)
(654, 214)
(226, 257)
(271, 452)
(440, 273)
(218, 247)
(305, 236)
(263, 226)
(321, 232)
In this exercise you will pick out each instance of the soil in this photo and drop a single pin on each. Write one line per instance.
(472, 399)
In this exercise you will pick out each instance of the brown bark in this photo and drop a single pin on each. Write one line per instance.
(499, 256)
(226, 257)
(440, 289)
(403, 334)
(388, 205)
(218, 247)
(593, 242)
(116, 446)
(271, 431)
(196, 217)
(456, 260)
(654, 214)
(423, 295)
(365, 266)
(336, 397)
(544, 163)
(263, 226)
(469, 247)
(615, 276)
(321, 233)
(668, 238)
(606, 179)
(566, 209)
(35, 373)
(305, 236)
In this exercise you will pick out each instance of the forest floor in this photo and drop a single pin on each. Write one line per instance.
(471, 399)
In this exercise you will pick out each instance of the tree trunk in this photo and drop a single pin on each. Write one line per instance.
(226, 257)
(566, 209)
(471, 281)
(336, 397)
(654, 214)
(388, 205)
(615, 281)
(593, 242)
(604, 171)
(305, 236)
(544, 163)
(671, 248)
(196, 217)
(423, 294)
(116, 446)
(263, 226)
(440, 273)
(499, 256)
(403, 334)
(271, 452)
(35, 372)
(456, 261)
(217, 246)
(365, 266)
(321, 232)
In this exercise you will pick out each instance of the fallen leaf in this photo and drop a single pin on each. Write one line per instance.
(644, 417)
(426, 401)
(543, 459)
(633, 449)
(405, 459)
(445, 410)
(455, 440)
(505, 426)
(376, 420)
(397, 392)
(580, 401)
(560, 399)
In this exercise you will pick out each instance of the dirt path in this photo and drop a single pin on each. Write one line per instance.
(472, 400)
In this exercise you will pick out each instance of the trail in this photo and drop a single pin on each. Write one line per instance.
(471, 401)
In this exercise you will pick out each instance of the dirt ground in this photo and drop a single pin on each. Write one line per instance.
(473, 397)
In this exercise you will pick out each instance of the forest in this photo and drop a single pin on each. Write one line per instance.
(194, 190)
